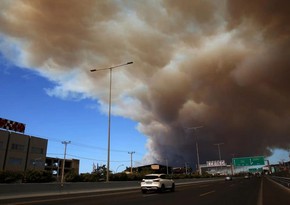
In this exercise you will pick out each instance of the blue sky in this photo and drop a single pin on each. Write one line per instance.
(195, 63)
(24, 99)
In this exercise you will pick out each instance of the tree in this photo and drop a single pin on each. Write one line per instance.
(100, 172)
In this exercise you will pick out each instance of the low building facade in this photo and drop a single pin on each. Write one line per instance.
(20, 152)
(55, 165)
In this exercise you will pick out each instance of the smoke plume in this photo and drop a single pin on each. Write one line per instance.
(223, 65)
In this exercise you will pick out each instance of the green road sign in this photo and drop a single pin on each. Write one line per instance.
(253, 170)
(248, 161)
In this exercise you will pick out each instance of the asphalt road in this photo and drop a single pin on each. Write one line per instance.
(255, 191)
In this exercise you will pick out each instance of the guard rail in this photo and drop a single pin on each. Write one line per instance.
(281, 180)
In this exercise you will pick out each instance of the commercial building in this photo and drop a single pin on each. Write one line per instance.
(20, 152)
(55, 165)
(151, 168)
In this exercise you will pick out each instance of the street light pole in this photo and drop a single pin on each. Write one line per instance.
(196, 146)
(62, 172)
(218, 144)
(220, 157)
(118, 167)
(109, 117)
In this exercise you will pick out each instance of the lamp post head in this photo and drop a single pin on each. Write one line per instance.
(193, 128)
(93, 70)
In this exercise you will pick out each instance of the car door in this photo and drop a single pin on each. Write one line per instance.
(166, 181)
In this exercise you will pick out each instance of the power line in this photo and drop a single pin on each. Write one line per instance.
(51, 139)
(101, 160)
(99, 148)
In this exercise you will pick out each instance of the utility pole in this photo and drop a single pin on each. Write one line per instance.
(57, 174)
(166, 166)
(62, 171)
(131, 153)
(232, 165)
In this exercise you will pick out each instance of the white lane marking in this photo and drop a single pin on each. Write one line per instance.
(210, 192)
(149, 195)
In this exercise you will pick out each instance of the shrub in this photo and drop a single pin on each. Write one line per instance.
(37, 176)
(72, 177)
(119, 177)
(10, 176)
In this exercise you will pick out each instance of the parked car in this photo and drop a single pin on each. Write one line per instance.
(157, 182)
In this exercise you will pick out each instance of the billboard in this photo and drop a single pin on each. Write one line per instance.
(12, 125)
(155, 166)
(216, 163)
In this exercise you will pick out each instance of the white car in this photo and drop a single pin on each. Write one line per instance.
(228, 178)
(157, 182)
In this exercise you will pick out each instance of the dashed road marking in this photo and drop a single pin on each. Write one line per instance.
(207, 193)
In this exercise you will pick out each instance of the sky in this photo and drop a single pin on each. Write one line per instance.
(24, 99)
(222, 65)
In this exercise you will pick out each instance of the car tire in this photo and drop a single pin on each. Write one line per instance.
(173, 187)
(162, 188)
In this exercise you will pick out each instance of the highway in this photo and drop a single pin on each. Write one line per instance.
(254, 191)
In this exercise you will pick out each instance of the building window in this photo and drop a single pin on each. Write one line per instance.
(36, 163)
(15, 161)
(18, 147)
(36, 150)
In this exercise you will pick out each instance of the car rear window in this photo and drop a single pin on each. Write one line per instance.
(151, 177)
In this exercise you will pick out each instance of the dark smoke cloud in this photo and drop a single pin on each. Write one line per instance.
(220, 64)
